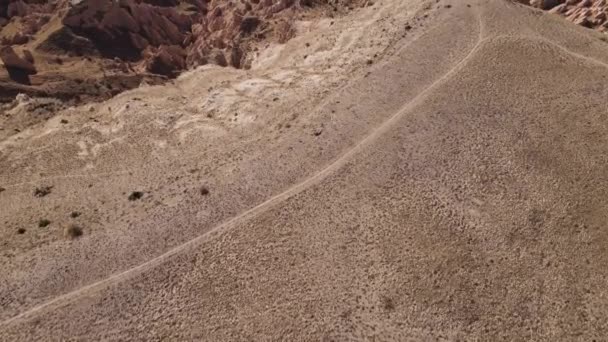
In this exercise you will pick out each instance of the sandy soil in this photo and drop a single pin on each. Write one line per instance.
(417, 170)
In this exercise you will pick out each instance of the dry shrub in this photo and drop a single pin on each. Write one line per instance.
(73, 231)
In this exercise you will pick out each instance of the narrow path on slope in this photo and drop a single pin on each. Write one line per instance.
(260, 208)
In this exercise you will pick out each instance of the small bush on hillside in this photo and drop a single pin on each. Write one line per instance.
(73, 231)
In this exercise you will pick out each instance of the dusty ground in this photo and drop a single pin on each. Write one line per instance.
(417, 170)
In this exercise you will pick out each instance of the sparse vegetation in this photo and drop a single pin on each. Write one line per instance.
(73, 231)
(135, 195)
(204, 191)
(74, 214)
(388, 304)
(42, 191)
(21, 231)
(44, 223)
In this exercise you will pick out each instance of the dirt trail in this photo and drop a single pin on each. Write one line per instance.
(271, 202)
(143, 113)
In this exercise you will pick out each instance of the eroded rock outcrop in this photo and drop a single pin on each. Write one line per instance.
(588, 13)
(11, 60)
(125, 29)
(127, 39)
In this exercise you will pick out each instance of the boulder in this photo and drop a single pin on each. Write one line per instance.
(249, 24)
(11, 60)
(17, 9)
(164, 60)
(546, 4)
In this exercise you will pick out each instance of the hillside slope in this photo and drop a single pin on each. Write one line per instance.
(417, 170)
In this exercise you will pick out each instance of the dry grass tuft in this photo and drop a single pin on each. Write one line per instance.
(73, 231)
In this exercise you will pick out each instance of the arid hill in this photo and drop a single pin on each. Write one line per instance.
(408, 170)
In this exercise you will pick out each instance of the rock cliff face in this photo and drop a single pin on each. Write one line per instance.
(135, 39)
(169, 36)
(588, 13)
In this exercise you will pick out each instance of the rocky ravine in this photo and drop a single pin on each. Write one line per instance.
(95, 49)
(81, 50)
(588, 13)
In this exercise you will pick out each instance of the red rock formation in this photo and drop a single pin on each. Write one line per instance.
(167, 60)
(126, 38)
(588, 13)
(11, 60)
(124, 29)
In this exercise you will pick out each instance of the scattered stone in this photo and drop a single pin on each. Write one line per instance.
(249, 24)
(21, 231)
(164, 60)
(22, 99)
(63, 121)
(204, 191)
(544, 4)
(74, 214)
(2, 189)
(217, 57)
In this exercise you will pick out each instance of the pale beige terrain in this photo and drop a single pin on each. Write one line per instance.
(414, 171)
